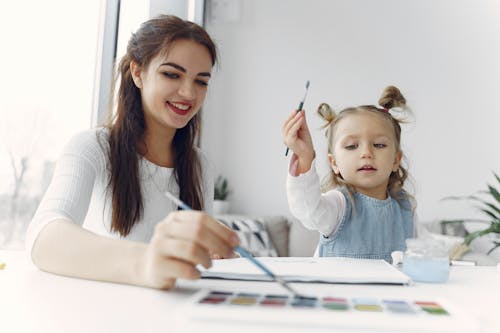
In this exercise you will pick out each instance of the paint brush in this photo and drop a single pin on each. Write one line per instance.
(301, 105)
(241, 251)
(244, 253)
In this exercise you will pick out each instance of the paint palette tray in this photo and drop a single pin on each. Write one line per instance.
(331, 311)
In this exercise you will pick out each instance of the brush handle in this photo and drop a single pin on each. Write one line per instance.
(300, 106)
(239, 249)
(244, 253)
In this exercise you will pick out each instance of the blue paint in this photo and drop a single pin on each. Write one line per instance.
(426, 269)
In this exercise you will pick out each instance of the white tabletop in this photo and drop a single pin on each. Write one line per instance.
(35, 301)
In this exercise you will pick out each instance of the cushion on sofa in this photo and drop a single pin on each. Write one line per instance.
(253, 234)
(279, 231)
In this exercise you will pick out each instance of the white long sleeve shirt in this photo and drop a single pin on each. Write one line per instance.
(316, 211)
(78, 190)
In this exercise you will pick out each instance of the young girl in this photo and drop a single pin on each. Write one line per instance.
(364, 212)
(105, 215)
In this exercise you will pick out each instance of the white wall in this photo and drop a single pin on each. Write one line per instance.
(443, 55)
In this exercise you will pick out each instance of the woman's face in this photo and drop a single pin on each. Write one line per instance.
(174, 84)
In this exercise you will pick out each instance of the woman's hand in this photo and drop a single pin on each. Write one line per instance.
(181, 241)
(218, 256)
(297, 137)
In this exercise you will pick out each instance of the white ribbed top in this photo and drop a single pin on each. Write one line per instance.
(78, 190)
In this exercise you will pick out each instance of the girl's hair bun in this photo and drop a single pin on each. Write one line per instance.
(325, 111)
(391, 98)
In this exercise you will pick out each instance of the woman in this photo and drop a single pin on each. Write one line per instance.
(105, 216)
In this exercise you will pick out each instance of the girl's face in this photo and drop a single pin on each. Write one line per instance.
(365, 152)
(174, 84)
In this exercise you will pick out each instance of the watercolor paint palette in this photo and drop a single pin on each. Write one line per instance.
(333, 311)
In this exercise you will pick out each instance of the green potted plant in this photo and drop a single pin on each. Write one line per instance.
(489, 206)
(221, 194)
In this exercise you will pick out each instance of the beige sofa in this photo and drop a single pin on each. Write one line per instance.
(291, 239)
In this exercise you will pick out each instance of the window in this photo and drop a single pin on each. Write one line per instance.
(49, 52)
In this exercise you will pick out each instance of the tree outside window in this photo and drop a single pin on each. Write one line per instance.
(49, 62)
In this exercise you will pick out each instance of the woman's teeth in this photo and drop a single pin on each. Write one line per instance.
(183, 107)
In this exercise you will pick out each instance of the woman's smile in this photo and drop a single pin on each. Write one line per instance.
(179, 107)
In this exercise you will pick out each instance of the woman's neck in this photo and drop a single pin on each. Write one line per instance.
(158, 147)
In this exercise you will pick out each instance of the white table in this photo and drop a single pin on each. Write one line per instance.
(35, 301)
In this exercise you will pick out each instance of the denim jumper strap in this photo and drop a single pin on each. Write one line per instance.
(372, 230)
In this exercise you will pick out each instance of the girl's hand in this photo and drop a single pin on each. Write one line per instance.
(181, 241)
(297, 137)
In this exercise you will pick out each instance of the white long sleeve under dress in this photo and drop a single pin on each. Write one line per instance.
(315, 210)
(78, 190)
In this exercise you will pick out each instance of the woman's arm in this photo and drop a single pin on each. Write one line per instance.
(180, 242)
(57, 242)
(69, 193)
(65, 248)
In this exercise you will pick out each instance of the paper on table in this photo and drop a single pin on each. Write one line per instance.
(306, 269)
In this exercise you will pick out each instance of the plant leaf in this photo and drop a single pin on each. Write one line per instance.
(221, 188)
(493, 191)
(497, 244)
(495, 208)
(491, 210)
(492, 215)
(485, 231)
(470, 237)
(495, 227)
(473, 235)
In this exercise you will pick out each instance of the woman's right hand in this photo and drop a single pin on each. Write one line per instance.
(297, 137)
(181, 241)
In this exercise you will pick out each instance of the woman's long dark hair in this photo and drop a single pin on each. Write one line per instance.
(127, 127)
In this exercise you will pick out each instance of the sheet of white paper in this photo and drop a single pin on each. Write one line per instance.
(306, 269)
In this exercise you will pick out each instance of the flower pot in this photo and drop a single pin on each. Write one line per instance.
(221, 207)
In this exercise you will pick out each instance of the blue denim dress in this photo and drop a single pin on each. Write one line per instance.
(372, 230)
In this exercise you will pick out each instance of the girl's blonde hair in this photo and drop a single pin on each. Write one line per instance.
(394, 109)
